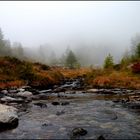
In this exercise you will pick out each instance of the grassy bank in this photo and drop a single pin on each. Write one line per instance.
(15, 73)
(112, 78)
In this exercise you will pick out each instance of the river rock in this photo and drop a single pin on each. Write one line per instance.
(55, 103)
(25, 94)
(116, 100)
(60, 112)
(134, 105)
(100, 138)
(42, 105)
(10, 99)
(92, 90)
(21, 89)
(13, 91)
(65, 103)
(79, 132)
(4, 92)
(8, 117)
(46, 91)
(41, 96)
(1, 95)
(33, 91)
(47, 123)
(59, 89)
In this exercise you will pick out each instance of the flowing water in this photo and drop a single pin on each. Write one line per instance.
(95, 113)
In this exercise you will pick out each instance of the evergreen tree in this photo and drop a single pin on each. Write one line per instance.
(135, 48)
(138, 51)
(17, 51)
(108, 62)
(5, 46)
(71, 60)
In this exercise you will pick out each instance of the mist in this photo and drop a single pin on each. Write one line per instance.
(91, 29)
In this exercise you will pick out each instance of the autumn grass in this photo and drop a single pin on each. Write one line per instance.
(15, 73)
(112, 78)
(73, 73)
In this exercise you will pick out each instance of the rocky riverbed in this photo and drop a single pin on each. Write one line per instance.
(70, 111)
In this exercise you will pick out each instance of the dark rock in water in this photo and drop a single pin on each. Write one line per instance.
(125, 100)
(55, 103)
(65, 103)
(11, 125)
(1, 95)
(114, 117)
(41, 96)
(60, 112)
(134, 105)
(101, 138)
(46, 124)
(79, 132)
(59, 89)
(108, 91)
(116, 101)
(28, 100)
(42, 105)
(33, 91)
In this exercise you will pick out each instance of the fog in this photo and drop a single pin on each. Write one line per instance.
(91, 29)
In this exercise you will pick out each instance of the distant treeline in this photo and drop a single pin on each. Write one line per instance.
(70, 58)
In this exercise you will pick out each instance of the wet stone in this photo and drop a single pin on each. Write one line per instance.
(116, 101)
(13, 91)
(1, 95)
(100, 138)
(65, 103)
(10, 99)
(55, 103)
(60, 113)
(24, 94)
(79, 132)
(41, 96)
(134, 105)
(46, 124)
(4, 92)
(8, 117)
(42, 105)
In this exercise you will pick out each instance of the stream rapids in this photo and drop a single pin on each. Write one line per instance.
(100, 114)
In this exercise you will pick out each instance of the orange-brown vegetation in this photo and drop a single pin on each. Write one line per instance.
(73, 73)
(112, 78)
(15, 73)
(136, 67)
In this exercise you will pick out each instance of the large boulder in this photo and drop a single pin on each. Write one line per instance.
(8, 117)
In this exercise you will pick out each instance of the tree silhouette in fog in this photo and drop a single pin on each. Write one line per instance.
(71, 60)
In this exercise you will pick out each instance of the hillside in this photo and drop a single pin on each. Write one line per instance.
(15, 73)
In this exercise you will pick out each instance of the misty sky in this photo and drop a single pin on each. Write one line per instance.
(62, 23)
